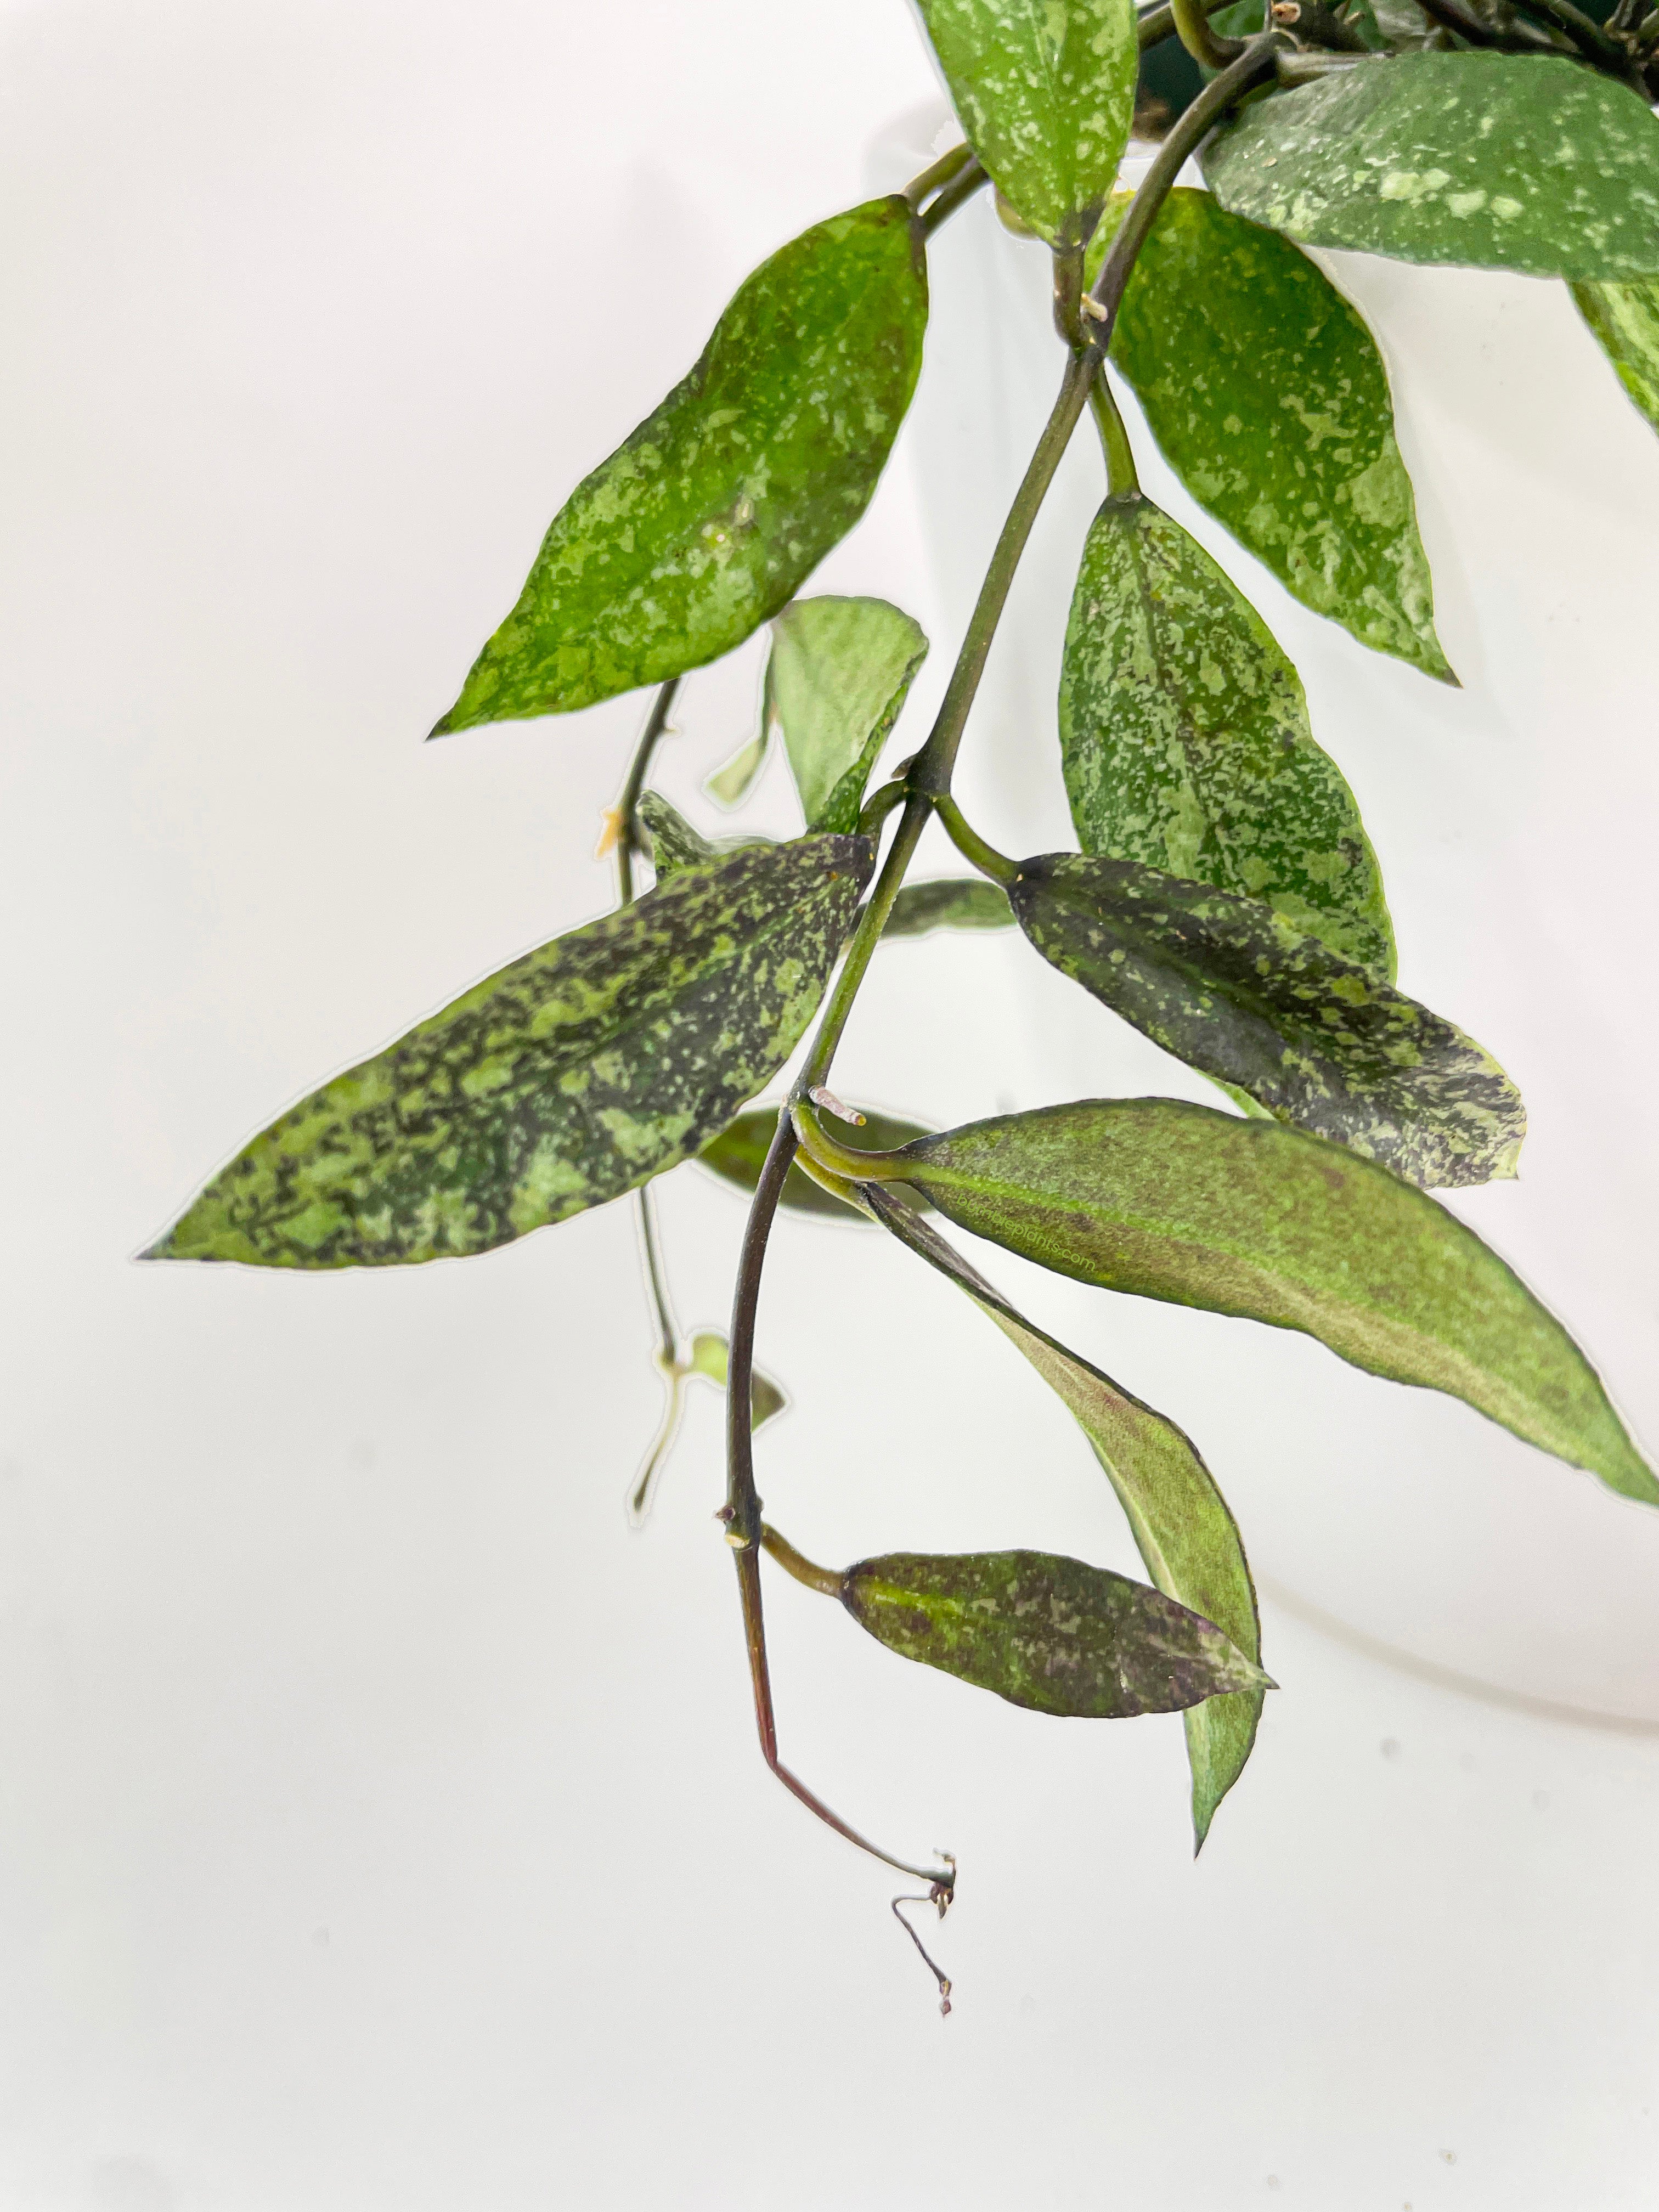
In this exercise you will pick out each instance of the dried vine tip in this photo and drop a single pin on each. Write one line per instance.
(822, 1095)
(942, 1978)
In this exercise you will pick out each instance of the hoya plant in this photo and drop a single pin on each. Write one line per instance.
(1223, 898)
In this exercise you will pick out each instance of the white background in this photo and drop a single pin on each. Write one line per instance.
(380, 1827)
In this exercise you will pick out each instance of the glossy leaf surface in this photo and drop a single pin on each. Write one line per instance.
(838, 675)
(1183, 1529)
(1045, 92)
(711, 515)
(1049, 1633)
(1626, 320)
(739, 1154)
(1186, 743)
(1230, 987)
(948, 902)
(1491, 161)
(566, 1079)
(1173, 1201)
(1267, 396)
(675, 844)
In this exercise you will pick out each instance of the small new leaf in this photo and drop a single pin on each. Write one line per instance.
(1625, 319)
(1185, 739)
(1228, 986)
(838, 675)
(712, 514)
(1173, 1201)
(1492, 161)
(948, 902)
(739, 1154)
(710, 1359)
(568, 1077)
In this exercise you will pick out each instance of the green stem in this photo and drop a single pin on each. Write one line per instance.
(972, 846)
(1069, 296)
(1191, 23)
(815, 1578)
(970, 178)
(941, 172)
(1156, 24)
(836, 1159)
(1122, 482)
(627, 812)
(879, 804)
(668, 1337)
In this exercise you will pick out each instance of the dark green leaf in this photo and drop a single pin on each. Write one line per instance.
(709, 1358)
(838, 675)
(1626, 320)
(1183, 1529)
(1185, 738)
(568, 1077)
(1493, 160)
(1048, 1633)
(739, 1154)
(948, 902)
(1174, 1202)
(1229, 987)
(1269, 399)
(675, 844)
(1045, 90)
(710, 517)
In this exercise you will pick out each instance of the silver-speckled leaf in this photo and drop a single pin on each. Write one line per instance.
(564, 1079)
(1184, 735)
(1492, 161)
(1182, 1526)
(675, 844)
(739, 1154)
(714, 511)
(1626, 320)
(839, 672)
(1049, 1633)
(948, 902)
(1173, 1201)
(1045, 91)
(1230, 987)
(1269, 399)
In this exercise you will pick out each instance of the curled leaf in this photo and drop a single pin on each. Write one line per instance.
(839, 672)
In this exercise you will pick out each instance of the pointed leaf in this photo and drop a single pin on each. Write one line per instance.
(948, 902)
(838, 675)
(710, 1359)
(1268, 397)
(570, 1076)
(739, 1154)
(1626, 320)
(712, 514)
(1045, 91)
(1229, 987)
(1184, 734)
(1491, 161)
(1174, 1202)
(1182, 1526)
(675, 844)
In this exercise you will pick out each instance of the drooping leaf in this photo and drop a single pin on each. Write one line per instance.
(709, 1358)
(1173, 1201)
(731, 784)
(712, 514)
(1490, 159)
(1268, 397)
(563, 1081)
(1625, 319)
(1045, 91)
(948, 902)
(739, 1154)
(1186, 743)
(1049, 1633)
(838, 675)
(1230, 987)
(675, 844)
(1183, 1529)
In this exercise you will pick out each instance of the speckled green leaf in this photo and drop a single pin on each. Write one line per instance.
(1182, 1527)
(1493, 160)
(1184, 734)
(567, 1077)
(1230, 987)
(1045, 90)
(675, 844)
(709, 1358)
(839, 672)
(1626, 320)
(1269, 399)
(948, 902)
(739, 1154)
(711, 516)
(1169, 1200)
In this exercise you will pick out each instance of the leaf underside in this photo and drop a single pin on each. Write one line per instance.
(948, 902)
(839, 672)
(566, 1079)
(1625, 319)
(739, 1154)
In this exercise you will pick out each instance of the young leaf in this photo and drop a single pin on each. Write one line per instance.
(708, 1358)
(838, 675)
(712, 514)
(1045, 90)
(563, 1081)
(675, 844)
(739, 1154)
(731, 784)
(948, 902)
(1184, 734)
(1626, 320)
(1048, 1633)
(1169, 1200)
(1492, 161)
(1228, 986)
(1268, 397)
(1186, 1537)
